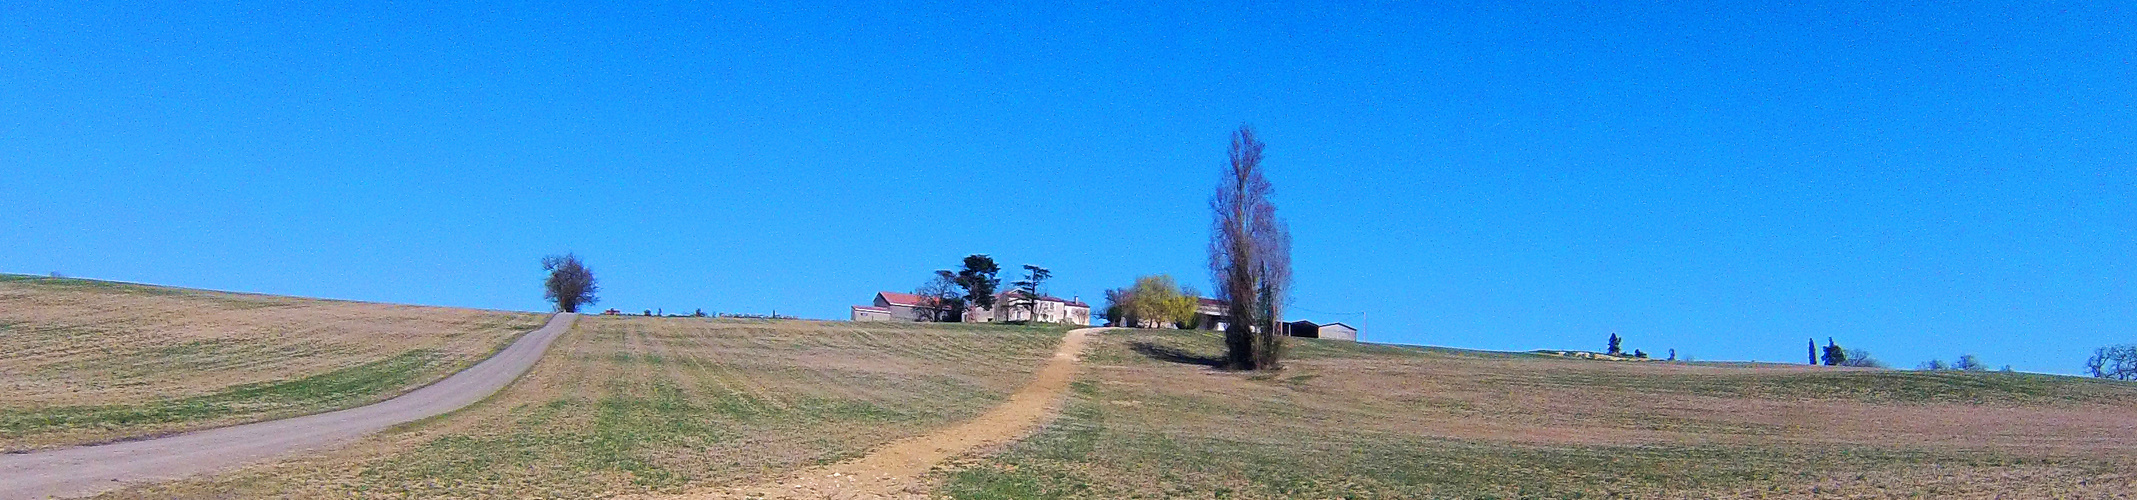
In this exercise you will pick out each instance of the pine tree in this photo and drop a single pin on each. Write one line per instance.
(1834, 355)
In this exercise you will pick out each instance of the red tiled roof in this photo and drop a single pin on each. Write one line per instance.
(900, 299)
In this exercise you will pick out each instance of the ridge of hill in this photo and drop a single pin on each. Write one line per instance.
(87, 361)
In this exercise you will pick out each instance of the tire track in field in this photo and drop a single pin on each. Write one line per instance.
(900, 469)
(930, 345)
(831, 387)
(732, 373)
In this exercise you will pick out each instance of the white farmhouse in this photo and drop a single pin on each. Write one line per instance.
(1048, 309)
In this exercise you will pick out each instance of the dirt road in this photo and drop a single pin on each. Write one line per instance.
(87, 470)
(899, 469)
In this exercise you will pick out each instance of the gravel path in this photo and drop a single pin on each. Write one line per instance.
(87, 470)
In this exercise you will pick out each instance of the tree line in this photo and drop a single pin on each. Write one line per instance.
(1153, 302)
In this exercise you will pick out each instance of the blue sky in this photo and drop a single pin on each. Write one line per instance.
(1917, 180)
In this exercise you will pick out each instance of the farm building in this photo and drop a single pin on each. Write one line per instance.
(1338, 331)
(894, 306)
(1334, 331)
(871, 313)
(889, 306)
(1049, 309)
(1210, 313)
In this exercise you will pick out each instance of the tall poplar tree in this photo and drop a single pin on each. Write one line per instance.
(1249, 257)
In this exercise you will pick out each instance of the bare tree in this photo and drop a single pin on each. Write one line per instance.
(1249, 257)
(2113, 362)
(570, 283)
(1120, 307)
(1861, 358)
(939, 299)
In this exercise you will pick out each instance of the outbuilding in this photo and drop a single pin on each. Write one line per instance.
(871, 313)
(1310, 330)
(1338, 331)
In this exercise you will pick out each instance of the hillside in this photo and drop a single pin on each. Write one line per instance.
(628, 404)
(85, 361)
(1352, 420)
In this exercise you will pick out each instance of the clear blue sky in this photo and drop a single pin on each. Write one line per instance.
(1919, 181)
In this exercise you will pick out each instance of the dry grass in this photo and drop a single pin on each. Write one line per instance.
(641, 405)
(87, 361)
(1360, 421)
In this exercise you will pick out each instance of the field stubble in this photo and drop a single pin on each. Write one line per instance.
(626, 405)
(1362, 421)
(88, 361)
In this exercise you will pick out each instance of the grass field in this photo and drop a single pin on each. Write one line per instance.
(630, 405)
(1347, 420)
(86, 361)
(634, 404)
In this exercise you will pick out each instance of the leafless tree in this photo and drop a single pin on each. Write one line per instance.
(570, 283)
(1861, 358)
(2113, 362)
(1249, 257)
(939, 299)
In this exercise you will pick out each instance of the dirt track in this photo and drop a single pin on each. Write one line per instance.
(899, 469)
(87, 470)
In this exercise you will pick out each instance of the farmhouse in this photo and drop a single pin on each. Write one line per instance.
(894, 306)
(1049, 309)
